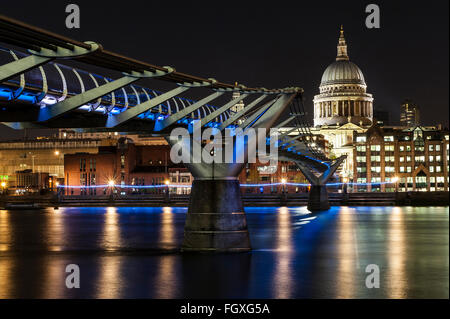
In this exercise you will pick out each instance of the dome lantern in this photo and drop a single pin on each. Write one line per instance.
(342, 47)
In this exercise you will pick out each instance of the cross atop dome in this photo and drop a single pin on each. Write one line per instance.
(342, 47)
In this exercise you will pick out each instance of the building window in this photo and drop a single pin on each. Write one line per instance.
(360, 158)
(375, 148)
(402, 169)
(438, 169)
(122, 161)
(402, 158)
(431, 158)
(376, 169)
(389, 148)
(388, 138)
(431, 169)
(408, 169)
(361, 148)
(361, 139)
(431, 147)
(401, 148)
(438, 158)
(375, 158)
(419, 158)
(438, 147)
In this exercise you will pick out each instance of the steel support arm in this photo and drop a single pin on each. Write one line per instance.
(76, 101)
(221, 110)
(268, 118)
(322, 178)
(289, 119)
(241, 113)
(251, 119)
(114, 120)
(18, 67)
(36, 59)
(160, 125)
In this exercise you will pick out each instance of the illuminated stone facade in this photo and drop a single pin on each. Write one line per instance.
(343, 106)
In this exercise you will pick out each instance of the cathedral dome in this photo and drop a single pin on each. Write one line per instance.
(342, 72)
(343, 98)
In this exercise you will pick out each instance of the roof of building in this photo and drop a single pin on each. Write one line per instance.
(342, 71)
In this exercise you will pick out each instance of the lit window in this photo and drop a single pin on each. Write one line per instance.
(431, 158)
(375, 148)
(408, 169)
(361, 148)
(438, 147)
(402, 158)
(430, 147)
(431, 168)
(388, 138)
(360, 138)
(402, 148)
(402, 169)
(438, 169)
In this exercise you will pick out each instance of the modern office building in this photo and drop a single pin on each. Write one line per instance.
(402, 159)
(409, 114)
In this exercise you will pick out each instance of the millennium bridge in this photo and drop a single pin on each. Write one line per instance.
(51, 81)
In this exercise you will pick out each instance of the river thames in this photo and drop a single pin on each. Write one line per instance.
(135, 253)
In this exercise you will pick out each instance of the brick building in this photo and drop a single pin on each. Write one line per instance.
(129, 164)
(126, 165)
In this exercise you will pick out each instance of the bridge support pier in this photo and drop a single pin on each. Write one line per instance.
(216, 219)
(318, 198)
(318, 195)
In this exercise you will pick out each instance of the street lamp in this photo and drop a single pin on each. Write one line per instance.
(111, 184)
(395, 181)
(283, 181)
(167, 182)
(56, 152)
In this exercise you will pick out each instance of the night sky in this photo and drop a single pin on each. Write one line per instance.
(273, 43)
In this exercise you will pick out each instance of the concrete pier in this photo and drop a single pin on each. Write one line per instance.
(216, 219)
(318, 198)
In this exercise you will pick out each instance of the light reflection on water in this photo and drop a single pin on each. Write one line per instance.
(134, 253)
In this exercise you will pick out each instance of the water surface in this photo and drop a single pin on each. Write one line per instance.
(134, 253)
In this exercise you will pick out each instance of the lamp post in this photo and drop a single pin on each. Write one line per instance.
(3, 184)
(283, 181)
(111, 184)
(344, 185)
(395, 181)
(167, 182)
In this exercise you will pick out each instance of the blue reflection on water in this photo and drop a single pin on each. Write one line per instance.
(130, 252)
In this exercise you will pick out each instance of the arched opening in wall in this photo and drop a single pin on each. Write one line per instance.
(421, 181)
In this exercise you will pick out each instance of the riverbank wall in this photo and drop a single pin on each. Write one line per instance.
(267, 200)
